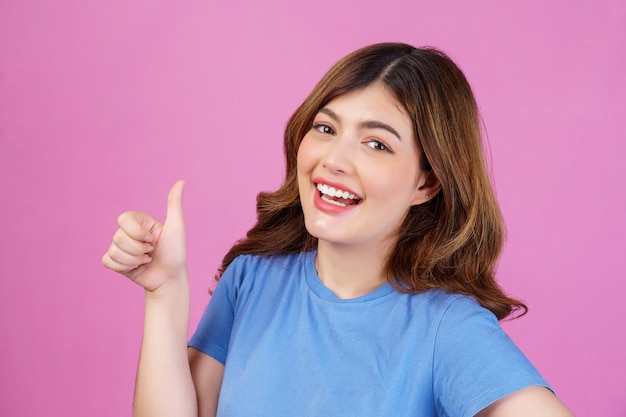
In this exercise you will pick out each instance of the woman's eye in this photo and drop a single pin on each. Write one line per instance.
(322, 128)
(378, 145)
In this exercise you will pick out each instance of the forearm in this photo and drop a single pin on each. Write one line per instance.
(164, 386)
(532, 401)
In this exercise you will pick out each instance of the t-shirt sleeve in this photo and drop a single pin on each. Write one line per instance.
(212, 335)
(475, 362)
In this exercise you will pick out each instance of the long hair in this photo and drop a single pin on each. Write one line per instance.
(453, 241)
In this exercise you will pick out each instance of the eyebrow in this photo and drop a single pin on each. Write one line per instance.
(368, 124)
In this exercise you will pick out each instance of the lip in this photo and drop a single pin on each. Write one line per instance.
(320, 180)
(327, 207)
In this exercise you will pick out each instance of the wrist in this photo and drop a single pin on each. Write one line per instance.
(171, 288)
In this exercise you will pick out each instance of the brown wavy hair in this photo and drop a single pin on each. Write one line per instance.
(453, 241)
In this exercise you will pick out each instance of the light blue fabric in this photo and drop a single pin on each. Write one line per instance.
(291, 348)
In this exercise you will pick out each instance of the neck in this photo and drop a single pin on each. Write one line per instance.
(350, 271)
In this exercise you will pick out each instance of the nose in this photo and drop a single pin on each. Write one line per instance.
(340, 155)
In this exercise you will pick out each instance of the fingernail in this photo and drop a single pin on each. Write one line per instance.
(147, 238)
(146, 259)
(150, 248)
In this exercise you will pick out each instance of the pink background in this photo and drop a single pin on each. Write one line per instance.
(103, 105)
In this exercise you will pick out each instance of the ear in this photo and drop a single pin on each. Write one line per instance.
(427, 188)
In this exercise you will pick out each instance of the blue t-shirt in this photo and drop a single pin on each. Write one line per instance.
(292, 348)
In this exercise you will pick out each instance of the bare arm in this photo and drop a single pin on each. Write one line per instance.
(164, 386)
(207, 375)
(529, 402)
(153, 255)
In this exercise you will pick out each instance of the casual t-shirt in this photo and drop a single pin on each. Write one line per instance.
(292, 348)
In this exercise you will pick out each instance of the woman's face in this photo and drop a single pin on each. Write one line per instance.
(358, 169)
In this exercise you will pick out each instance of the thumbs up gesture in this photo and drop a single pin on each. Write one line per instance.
(147, 251)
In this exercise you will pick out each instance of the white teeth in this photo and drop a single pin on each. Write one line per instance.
(335, 192)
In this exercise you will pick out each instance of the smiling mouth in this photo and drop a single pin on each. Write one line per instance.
(337, 196)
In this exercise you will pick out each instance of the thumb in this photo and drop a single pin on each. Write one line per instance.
(174, 215)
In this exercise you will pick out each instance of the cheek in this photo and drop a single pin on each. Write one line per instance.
(300, 157)
(305, 157)
(393, 183)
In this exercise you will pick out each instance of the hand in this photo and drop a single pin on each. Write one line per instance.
(147, 251)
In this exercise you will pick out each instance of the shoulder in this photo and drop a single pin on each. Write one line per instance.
(439, 313)
(443, 309)
(244, 265)
(470, 343)
(462, 321)
(248, 271)
(451, 307)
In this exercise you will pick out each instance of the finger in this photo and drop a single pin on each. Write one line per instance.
(175, 206)
(123, 258)
(116, 266)
(137, 225)
(130, 245)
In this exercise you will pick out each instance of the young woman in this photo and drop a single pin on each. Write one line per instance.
(367, 287)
